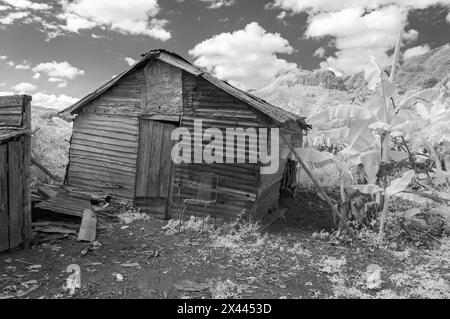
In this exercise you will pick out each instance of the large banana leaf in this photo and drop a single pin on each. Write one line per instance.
(310, 155)
(400, 184)
(344, 113)
(424, 95)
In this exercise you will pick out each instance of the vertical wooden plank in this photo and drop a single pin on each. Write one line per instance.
(155, 160)
(145, 133)
(166, 161)
(4, 219)
(26, 227)
(171, 181)
(15, 179)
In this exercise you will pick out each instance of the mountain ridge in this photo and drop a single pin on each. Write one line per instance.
(301, 91)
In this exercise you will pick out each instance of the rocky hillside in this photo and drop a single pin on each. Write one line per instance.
(426, 70)
(302, 91)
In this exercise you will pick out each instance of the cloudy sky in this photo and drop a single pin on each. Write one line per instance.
(58, 51)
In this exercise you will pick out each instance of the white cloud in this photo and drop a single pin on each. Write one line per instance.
(135, 17)
(24, 87)
(61, 70)
(25, 4)
(25, 65)
(320, 52)
(281, 15)
(448, 17)
(315, 6)
(3, 8)
(130, 61)
(62, 85)
(360, 28)
(97, 36)
(37, 76)
(418, 50)
(11, 17)
(55, 80)
(3, 57)
(74, 23)
(6, 93)
(246, 58)
(215, 4)
(53, 101)
(10, 63)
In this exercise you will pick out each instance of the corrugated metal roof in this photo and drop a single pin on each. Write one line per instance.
(277, 114)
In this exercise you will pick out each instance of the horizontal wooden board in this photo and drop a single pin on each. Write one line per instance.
(10, 120)
(94, 155)
(11, 110)
(13, 100)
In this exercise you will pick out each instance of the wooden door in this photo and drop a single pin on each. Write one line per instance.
(154, 168)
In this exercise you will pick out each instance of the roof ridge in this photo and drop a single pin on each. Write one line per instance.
(274, 112)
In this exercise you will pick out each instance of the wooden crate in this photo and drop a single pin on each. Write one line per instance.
(15, 143)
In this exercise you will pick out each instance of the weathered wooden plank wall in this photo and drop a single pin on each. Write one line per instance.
(15, 162)
(11, 109)
(164, 93)
(238, 183)
(104, 143)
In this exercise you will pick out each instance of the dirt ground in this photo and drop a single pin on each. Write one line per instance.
(141, 260)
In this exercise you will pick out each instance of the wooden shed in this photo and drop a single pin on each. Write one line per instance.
(121, 142)
(15, 143)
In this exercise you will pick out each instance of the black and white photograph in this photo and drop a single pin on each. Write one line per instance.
(226, 156)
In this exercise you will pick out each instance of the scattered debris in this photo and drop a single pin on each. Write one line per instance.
(34, 267)
(119, 277)
(130, 265)
(188, 285)
(28, 283)
(96, 244)
(132, 214)
(85, 251)
(54, 230)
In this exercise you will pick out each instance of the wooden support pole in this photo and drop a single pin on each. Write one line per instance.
(39, 165)
(331, 203)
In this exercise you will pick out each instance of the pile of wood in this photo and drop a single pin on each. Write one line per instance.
(60, 212)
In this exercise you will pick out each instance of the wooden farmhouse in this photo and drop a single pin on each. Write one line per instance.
(121, 143)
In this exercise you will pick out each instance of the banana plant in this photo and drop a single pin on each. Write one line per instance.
(366, 131)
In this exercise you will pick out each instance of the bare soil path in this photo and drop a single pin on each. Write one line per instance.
(141, 260)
